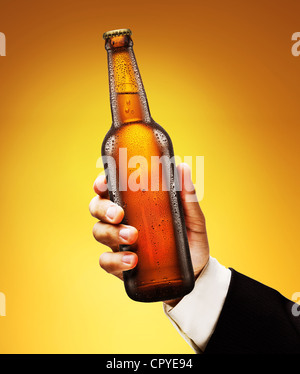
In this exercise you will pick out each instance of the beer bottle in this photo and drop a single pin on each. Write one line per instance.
(137, 156)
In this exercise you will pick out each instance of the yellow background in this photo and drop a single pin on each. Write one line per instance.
(220, 78)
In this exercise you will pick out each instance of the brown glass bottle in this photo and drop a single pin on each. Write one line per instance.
(137, 155)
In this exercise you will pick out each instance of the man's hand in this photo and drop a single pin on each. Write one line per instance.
(111, 232)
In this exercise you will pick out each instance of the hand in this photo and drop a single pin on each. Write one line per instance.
(111, 232)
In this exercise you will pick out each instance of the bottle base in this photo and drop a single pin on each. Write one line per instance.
(158, 291)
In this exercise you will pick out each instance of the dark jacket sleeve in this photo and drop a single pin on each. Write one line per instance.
(255, 319)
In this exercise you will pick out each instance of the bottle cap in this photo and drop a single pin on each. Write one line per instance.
(110, 34)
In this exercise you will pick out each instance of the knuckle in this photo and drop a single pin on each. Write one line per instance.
(106, 263)
(92, 206)
(95, 230)
(102, 261)
(104, 234)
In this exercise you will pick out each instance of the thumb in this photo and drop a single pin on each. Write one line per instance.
(192, 211)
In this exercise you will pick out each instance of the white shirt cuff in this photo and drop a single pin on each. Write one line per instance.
(196, 315)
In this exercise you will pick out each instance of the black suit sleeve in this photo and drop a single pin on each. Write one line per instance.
(255, 319)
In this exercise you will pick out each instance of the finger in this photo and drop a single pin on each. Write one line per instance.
(188, 193)
(113, 236)
(106, 210)
(100, 186)
(116, 263)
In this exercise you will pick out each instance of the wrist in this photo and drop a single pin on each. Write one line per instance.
(174, 302)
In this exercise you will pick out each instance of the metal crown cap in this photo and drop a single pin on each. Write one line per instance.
(110, 34)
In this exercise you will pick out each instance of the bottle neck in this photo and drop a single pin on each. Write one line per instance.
(127, 95)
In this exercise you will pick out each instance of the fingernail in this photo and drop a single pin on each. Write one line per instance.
(128, 259)
(124, 233)
(111, 212)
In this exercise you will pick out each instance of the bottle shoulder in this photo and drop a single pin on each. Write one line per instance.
(136, 132)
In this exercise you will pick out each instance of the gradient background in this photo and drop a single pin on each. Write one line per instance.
(220, 78)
